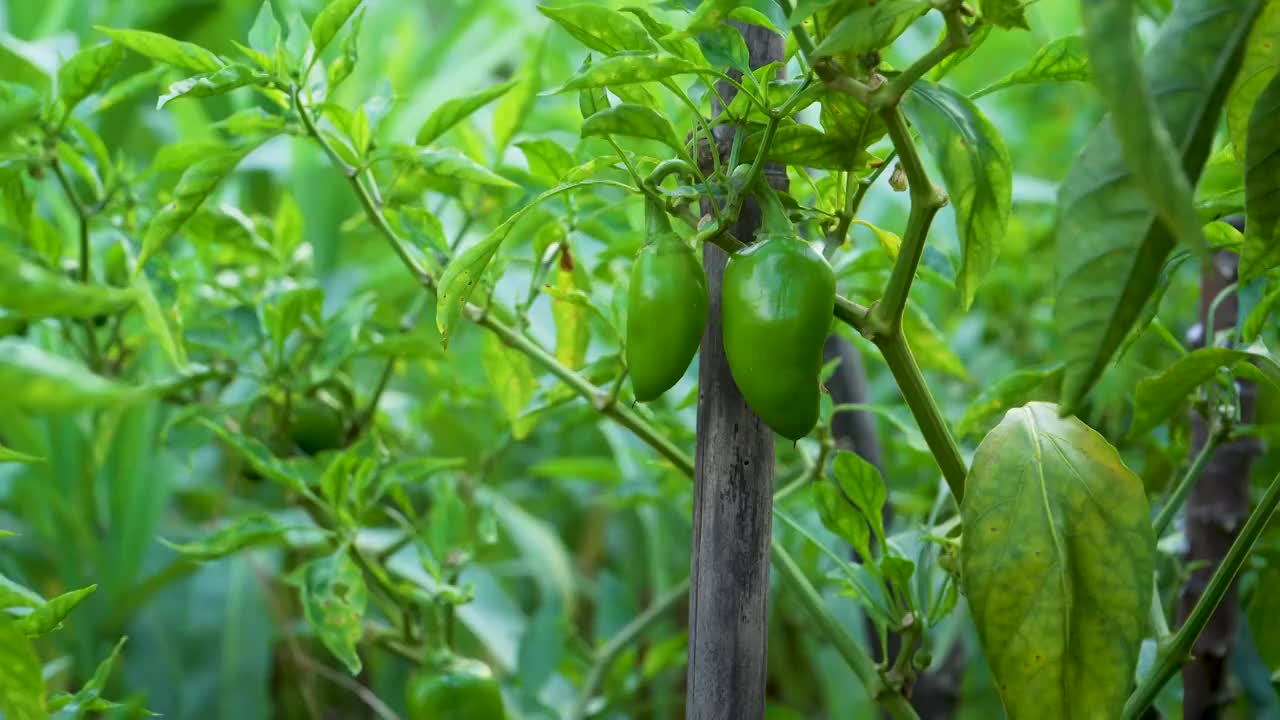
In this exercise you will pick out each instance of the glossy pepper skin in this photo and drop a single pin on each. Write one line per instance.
(666, 310)
(462, 689)
(779, 294)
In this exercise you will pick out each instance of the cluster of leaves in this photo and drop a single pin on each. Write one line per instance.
(358, 456)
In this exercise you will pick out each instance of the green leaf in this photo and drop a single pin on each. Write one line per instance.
(16, 67)
(41, 382)
(85, 72)
(212, 84)
(1260, 62)
(1062, 60)
(1057, 560)
(513, 109)
(14, 595)
(265, 34)
(1160, 396)
(47, 617)
(467, 269)
(871, 28)
(807, 146)
(89, 696)
(21, 679)
(512, 379)
(158, 325)
(600, 28)
(330, 21)
(131, 87)
(930, 346)
(633, 121)
(573, 333)
(454, 111)
(333, 598)
(30, 291)
(1149, 151)
(591, 100)
(197, 183)
(976, 171)
(1261, 250)
(838, 516)
(13, 456)
(860, 482)
(251, 530)
(547, 159)
(342, 66)
(626, 69)
(452, 165)
(667, 37)
(725, 47)
(259, 458)
(1010, 391)
(1256, 320)
(1110, 247)
(1007, 14)
(162, 48)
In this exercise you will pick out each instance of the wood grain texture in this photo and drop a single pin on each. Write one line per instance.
(733, 498)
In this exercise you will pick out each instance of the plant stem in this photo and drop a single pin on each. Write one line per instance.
(926, 200)
(1172, 656)
(897, 355)
(861, 663)
(1187, 482)
(956, 38)
(609, 652)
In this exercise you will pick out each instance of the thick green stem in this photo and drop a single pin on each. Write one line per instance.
(1172, 655)
(956, 38)
(932, 425)
(858, 660)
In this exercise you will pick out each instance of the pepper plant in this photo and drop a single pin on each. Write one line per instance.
(402, 383)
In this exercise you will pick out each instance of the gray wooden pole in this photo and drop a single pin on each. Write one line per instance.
(733, 495)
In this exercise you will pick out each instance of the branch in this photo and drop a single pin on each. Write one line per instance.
(1172, 656)
(1187, 481)
(857, 659)
(956, 38)
(609, 652)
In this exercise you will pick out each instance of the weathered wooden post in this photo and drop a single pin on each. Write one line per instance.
(732, 513)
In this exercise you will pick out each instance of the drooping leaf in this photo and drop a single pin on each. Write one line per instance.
(1261, 250)
(1010, 391)
(1149, 151)
(573, 333)
(454, 111)
(977, 173)
(628, 68)
(212, 84)
(1110, 246)
(30, 291)
(1057, 559)
(8, 455)
(1007, 14)
(162, 48)
(511, 376)
(1256, 320)
(860, 482)
(21, 680)
(259, 457)
(466, 270)
(600, 28)
(334, 597)
(197, 183)
(41, 382)
(1062, 60)
(330, 21)
(86, 71)
(807, 146)
(46, 618)
(246, 531)
(454, 166)
(633, 121)
(871, 28)
(1159, 397)
(1259, 65)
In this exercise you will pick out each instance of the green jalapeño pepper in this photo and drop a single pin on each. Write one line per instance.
(778, 298)
(666, 308)
(459, 689)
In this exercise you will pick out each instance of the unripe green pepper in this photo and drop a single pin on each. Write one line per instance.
(779, 294)
(459, 689)
(666, 308)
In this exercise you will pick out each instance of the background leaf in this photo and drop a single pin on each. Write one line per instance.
(1261, 250)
